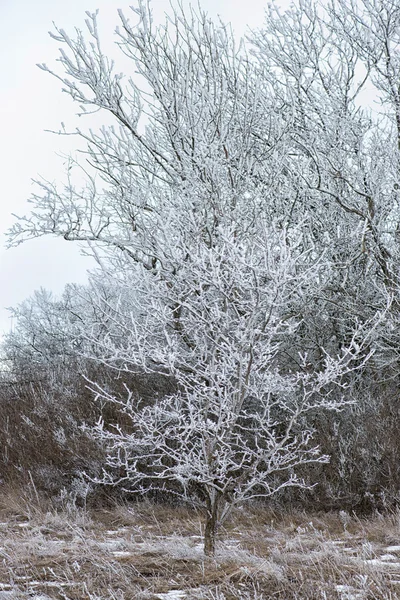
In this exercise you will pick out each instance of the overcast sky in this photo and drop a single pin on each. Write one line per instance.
(30, 103)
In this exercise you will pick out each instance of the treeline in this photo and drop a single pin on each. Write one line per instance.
(48, 398)
(49, 409)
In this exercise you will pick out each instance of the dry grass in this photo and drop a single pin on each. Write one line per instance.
(146, 552)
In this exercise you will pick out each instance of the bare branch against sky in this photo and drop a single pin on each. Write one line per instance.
(31, 102)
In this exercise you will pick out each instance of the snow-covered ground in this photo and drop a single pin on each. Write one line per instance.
(99, 556)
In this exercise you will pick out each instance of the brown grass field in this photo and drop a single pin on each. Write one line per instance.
(149, 552)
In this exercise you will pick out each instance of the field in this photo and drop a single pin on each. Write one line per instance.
(147, 552)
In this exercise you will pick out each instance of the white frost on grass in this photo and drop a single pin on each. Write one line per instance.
(349, 593)
(382, 563)
(111, 545)
(232, 544)
(120, 531)
(388, 557)
(185, 548)
(53, 584)
(174, 546)
(172, 595)
(392, 549)
(121, 553)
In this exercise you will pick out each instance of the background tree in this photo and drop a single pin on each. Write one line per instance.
(337, 67)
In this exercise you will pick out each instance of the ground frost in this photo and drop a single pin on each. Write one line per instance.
(40, 559)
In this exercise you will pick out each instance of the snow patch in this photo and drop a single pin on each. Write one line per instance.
(382, 563)
(388, 557)
(111, 545)
(172, 595)
(120, 531)
(56, 584)
(121, 553)
(348, 593)
(53, 584)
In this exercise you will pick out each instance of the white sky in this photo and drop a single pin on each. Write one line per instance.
(30, 102)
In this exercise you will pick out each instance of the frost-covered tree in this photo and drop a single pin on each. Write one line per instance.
(240, 422)
(337, 67)
(220, 203)
(41, 337)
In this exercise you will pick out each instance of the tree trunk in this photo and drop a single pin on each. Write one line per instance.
(210, 532)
